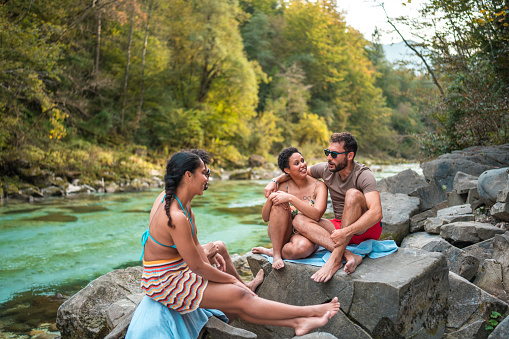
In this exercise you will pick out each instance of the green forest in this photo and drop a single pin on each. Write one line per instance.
(94, 86)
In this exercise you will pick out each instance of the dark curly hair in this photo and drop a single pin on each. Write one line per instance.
(283, 159)
(350, 144)
(176, 167)
(203, 154)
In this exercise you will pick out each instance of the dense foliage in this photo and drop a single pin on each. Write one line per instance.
(236, 78)
(468, 44)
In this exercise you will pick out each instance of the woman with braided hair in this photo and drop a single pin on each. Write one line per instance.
(177, 273)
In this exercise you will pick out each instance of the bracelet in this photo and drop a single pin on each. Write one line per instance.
(273, 180)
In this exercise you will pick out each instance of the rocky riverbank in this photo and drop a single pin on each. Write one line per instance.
(446, 280)
(35, 184)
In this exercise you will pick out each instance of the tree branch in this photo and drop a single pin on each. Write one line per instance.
(430, 71)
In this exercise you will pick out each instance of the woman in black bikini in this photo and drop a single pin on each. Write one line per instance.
(301, 194)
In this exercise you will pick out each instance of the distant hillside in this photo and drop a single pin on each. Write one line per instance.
(400, 52)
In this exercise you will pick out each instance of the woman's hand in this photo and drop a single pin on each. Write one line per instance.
(219, 261)
(280, 197)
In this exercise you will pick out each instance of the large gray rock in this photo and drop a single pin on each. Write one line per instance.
(473, 161)
(430, 195)
(85, 314)
(500, 211)
(397, 210)
(402, 295)
(468, 232)
(433, 225)
(404, 182)
(463, 182)
(418, 220)
(501, 256)
(468, 304)
(490, 279)
(482, 250)
(454, 198)
(490, 182)
(459, 262)
(474, 330)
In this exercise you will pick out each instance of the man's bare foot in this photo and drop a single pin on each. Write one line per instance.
(253, 284)
(262, 250)
(305, 325)
(327, 270)
(277, 263)
(352, 263)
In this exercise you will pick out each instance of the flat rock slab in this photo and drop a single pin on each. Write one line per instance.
(450, 212)
(469, 232)
(400, 295)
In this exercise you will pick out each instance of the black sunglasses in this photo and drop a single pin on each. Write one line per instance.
(208, 172)
(333, 154)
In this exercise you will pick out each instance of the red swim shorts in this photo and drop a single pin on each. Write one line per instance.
(373, 232)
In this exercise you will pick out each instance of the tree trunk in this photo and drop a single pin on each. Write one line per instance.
(97, 43)
(140, 106)
(126, 74)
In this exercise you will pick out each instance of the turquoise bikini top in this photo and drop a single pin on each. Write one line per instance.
(147, 235)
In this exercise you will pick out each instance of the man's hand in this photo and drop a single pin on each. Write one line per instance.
(339, 237)
(271, 187)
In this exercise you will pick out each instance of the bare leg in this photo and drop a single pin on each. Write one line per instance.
(232, 299)
(280, 230)
(258, 279)
(355, 206)
(301, 325)
(220, 248)
(262, 250)
(298, 247)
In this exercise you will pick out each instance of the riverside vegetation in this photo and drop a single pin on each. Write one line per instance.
(91, 89)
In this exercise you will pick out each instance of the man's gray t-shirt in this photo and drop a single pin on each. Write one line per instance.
(360, 178)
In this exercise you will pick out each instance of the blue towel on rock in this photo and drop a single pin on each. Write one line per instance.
(372, 248)
(156, 321)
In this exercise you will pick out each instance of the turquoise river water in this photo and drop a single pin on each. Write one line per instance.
(52, 248)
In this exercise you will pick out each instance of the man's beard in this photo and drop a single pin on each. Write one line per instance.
(340, 166)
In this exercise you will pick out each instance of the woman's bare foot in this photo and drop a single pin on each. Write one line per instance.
(277, 263)
(305, 325)
(352, 263)
(319, 310)
(262, 250)
(253, 284)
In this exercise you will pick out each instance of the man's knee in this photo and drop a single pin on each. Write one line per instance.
(355, 197)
